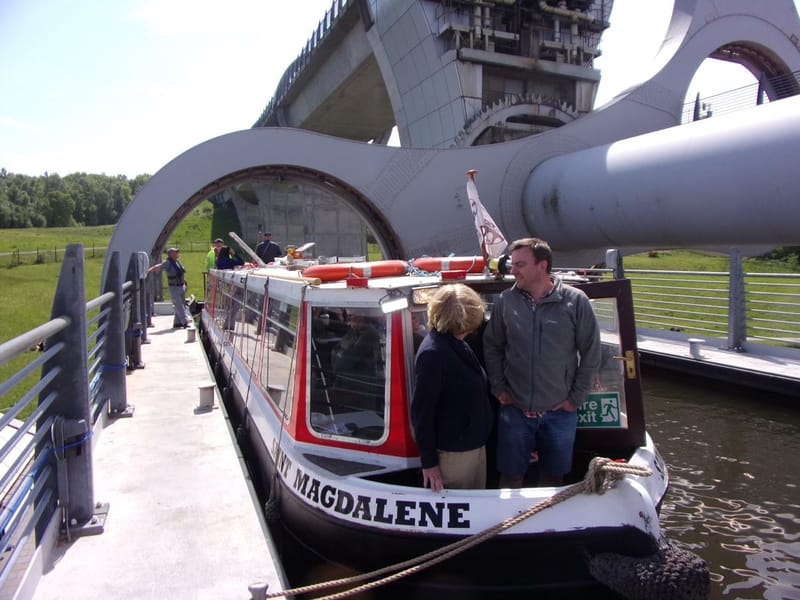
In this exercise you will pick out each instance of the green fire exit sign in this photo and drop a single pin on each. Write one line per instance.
(601, 409)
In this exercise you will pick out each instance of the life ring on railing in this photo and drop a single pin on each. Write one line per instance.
(470, 264)
(338, 271)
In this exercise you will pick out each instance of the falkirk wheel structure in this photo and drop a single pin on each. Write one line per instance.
(625, 175)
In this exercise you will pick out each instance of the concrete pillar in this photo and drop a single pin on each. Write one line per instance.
(737, 310)
(614, 261)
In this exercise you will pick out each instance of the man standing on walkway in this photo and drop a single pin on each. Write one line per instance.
(542, 348)
(176, 282)
(268, 250)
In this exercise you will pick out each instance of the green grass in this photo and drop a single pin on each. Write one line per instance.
(692, 260)
(26, 296)
(47, 238)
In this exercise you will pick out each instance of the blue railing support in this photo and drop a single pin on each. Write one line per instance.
(71, 385)
(113, 380)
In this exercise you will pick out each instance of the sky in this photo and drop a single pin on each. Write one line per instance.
(125, 86)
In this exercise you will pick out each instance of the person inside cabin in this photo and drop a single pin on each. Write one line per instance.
(356, 358)
(267, 250)
(542, 349)
(419, 328)
(450, 409)
(176, 283)
(227, 259)
(211, 257)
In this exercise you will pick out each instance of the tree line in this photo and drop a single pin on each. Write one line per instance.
(52, 201)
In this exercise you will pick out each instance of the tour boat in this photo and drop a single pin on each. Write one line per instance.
(333, 442)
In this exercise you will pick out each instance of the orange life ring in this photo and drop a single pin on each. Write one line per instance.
(470, 264)
(338, 271)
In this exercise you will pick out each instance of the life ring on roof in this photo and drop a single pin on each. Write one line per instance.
(470, 264)
(338, 271)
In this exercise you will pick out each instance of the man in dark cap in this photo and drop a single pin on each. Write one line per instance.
(176, 282)
(268, 250)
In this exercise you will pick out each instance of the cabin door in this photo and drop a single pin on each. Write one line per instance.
(613, 416)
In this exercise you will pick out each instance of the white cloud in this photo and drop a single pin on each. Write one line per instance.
(7, 122)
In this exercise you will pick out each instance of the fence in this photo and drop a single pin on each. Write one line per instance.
(46, 481)
(734, 305)
(781, 86)
(17, 257)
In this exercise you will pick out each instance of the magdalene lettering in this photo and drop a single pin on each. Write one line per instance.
(328, 496)
(427, 511)
(380, 513)
(403, 509)
(404, 513)
(362, 511)
(456, 511)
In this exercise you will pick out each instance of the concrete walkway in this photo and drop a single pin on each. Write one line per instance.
(769, 368)
(182, 521)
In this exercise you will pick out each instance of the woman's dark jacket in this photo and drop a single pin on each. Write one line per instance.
(450, 409)
(229, 262)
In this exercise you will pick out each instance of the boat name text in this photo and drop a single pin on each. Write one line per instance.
(409, 513)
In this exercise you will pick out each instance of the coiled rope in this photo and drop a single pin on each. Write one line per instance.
(602, 475)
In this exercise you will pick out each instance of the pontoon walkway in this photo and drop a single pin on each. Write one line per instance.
(183, 521)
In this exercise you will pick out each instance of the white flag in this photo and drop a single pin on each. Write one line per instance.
(490, 238)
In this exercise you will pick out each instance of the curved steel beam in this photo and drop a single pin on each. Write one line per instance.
(728, 180)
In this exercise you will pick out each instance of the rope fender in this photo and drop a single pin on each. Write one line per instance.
(602, 475)
(671, 573)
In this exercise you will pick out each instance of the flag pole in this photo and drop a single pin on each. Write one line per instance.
(471, 177)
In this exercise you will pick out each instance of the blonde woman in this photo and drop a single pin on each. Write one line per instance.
(450, 410)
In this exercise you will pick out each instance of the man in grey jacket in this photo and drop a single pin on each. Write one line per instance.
(542, 349)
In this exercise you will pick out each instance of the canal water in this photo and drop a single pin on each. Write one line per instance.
(734, 499)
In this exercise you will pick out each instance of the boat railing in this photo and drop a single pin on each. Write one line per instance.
(70, 378)
(740, 307)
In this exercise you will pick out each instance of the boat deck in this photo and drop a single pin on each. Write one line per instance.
(183, 521)
(766, 368)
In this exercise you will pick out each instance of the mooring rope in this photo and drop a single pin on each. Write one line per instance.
(602, 475)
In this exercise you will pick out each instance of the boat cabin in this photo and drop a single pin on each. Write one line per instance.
(333, 362)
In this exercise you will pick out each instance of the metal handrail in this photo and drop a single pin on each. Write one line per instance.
(673, 300)
(70, 344)
(15, 347)
(730, 101)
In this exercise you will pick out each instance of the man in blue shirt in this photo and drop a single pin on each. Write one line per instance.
(176, 283)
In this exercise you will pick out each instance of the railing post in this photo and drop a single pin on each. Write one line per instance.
(737, 311)
(113, 382)
(144, 302)
(133, 335)
(614, 262)
(72, 452)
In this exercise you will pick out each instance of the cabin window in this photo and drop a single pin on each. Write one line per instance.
(228, 305)
(279, 345)
(605, 405)
(251, 326)
(348, 373)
